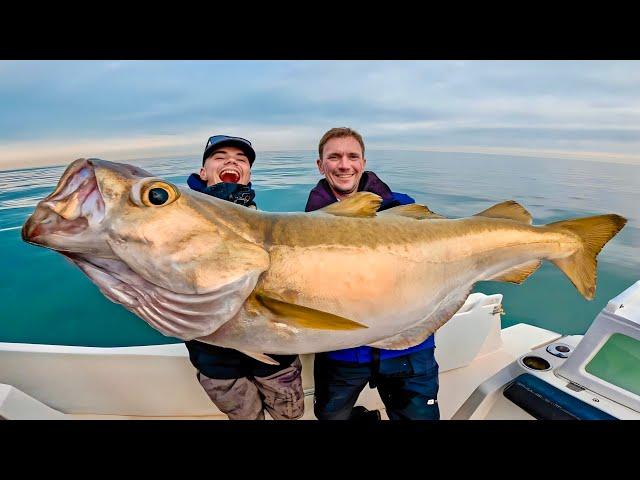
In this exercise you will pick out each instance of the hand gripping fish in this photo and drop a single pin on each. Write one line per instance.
(196, 267)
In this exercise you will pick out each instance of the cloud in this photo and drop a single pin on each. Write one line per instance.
(132, 147)
(56, 109)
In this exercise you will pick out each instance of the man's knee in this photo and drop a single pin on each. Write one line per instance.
(411, 393)
(334, 402)
(238, 398)
(283, 393)
(418, 407)
(337, 387)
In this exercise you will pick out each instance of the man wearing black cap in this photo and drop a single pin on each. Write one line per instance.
(239, 385)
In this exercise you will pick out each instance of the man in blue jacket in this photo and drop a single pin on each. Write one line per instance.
(240, 386)
(407, 380)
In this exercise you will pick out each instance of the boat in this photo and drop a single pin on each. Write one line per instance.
(486, 372)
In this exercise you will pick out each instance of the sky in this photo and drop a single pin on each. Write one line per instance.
(52, 112)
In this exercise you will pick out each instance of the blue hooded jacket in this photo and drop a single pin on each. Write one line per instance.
(232, 192)
(320, 197)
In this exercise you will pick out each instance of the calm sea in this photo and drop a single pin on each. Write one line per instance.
(45, 299)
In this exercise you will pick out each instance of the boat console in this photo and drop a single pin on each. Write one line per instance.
(590, 377)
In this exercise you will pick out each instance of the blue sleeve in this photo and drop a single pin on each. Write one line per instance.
(402, 198)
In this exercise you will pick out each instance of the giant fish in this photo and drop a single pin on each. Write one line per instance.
(196, 267)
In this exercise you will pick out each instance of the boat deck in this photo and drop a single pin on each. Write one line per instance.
(456, 384)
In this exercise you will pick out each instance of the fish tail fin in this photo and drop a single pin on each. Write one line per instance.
(594, 233)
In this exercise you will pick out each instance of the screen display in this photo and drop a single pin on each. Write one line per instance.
(618, 362)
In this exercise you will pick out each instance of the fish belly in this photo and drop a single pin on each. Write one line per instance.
(387, 293)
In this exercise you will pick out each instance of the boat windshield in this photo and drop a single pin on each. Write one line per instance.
(618, 362)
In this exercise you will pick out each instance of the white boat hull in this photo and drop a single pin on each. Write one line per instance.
(158, 381)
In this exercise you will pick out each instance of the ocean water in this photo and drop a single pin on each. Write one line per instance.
(47, 300)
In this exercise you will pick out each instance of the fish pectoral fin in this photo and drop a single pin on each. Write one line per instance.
(360, 204)
(299, 316)
(518, 274)
(260, 357)
(510, 210)
(413, 210)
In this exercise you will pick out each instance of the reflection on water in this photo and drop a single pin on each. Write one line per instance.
(47, 300)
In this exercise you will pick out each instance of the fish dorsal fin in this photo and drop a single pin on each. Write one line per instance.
(260, 357)
(360, 204)
(299, 316)
(517, 274)
(413, 210)
(510, 210)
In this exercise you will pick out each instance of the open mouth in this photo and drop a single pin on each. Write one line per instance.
(70, 208)
(230, 176)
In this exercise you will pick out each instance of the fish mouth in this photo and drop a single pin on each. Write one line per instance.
(74, 206)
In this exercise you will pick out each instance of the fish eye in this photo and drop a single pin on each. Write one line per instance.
(158, 196)
(155, 194)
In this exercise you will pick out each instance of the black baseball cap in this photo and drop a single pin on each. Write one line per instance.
(218, 141)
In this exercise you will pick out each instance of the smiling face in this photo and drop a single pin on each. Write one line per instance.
(342, 164)
(226, 164)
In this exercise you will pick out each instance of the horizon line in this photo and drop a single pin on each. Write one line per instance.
(600, 157)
